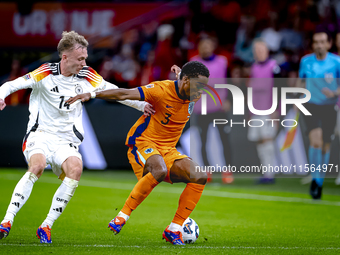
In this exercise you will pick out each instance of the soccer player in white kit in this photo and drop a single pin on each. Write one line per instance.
(55, 129)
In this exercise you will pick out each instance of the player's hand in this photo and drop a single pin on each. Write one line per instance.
(175, 69)
(148, 110)
(2, 104)
(328, 93)
(82, 97)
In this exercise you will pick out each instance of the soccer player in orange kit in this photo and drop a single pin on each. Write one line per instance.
(152, 140)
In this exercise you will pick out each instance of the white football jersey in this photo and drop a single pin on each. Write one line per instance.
(50, 90)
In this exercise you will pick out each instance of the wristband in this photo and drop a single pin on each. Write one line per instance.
(93, 94)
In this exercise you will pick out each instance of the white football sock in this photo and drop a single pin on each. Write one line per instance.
(20, 195)
(123, 215)
(174, 227)
(60, 199)
(266, 152)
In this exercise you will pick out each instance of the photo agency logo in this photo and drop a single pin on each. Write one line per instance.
(239, 103)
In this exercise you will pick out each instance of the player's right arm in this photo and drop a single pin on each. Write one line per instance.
(110, 94)
(10, 87)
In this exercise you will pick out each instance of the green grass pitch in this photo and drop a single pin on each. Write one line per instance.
(241, 218)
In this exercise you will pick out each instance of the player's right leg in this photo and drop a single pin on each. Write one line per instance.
(148, 176)
(22, 191)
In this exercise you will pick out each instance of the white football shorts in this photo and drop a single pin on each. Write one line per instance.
(54, 148)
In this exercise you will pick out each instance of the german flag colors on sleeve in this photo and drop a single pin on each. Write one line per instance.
(89, 74)
(40, 73)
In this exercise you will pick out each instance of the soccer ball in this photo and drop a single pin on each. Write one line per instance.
(190, 231)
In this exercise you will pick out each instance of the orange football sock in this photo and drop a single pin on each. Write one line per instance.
(187, 202)
(141, 190)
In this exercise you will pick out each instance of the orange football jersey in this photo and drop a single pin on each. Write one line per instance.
(165, 127)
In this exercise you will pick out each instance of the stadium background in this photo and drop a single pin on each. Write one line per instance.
(240, 218)
(133, 43)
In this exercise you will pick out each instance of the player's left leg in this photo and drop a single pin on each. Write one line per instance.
(72, 168)
(328, 122)
(187, 171)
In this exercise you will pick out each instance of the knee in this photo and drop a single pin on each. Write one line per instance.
(37, 169)
(316, 144)
(159, 173)
(200, 178)
(315, 138)
(73, 168)
(157, 167)
(75, 172)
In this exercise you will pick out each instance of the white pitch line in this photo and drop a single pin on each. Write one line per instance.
(212, 193)
(206, 192)
(169, 246)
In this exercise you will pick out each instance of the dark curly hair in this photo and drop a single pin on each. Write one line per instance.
(193, 69)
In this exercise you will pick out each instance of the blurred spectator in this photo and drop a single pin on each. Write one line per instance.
(148, 39)
(270, 35)
(327, 15)
(21, 96)
(150, 72)
(165, 54)
(262, 82)
(337, 44)
(237, 78)
(217, 66)
(292, 38)
(125, 68)
(227, 14)
(244, 39)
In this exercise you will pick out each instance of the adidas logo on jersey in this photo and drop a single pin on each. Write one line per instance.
(55, 89)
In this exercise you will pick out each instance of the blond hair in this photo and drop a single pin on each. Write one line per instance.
(69, 40)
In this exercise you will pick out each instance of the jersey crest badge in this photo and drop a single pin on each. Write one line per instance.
(191, 107)
(149, 150)
(149, 86)
(79, 89)
(329, 77)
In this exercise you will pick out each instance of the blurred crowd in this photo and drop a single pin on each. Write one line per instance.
(146, 52)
